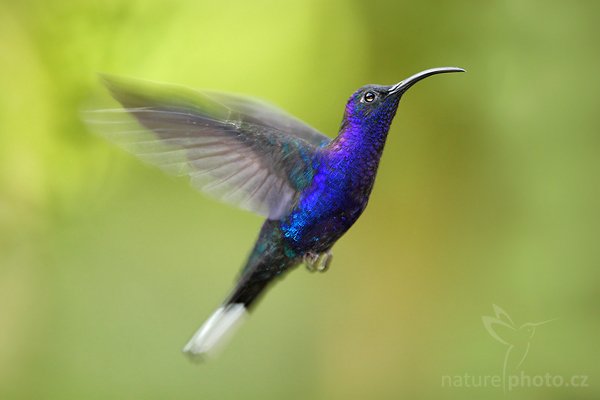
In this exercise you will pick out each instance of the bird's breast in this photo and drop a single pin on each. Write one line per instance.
(326, 209)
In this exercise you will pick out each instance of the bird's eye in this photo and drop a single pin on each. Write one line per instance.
(369, 97)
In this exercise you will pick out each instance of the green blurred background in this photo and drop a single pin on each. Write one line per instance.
(487, 194)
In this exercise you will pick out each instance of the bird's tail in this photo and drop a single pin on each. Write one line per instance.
(262, 267)
(221, 325)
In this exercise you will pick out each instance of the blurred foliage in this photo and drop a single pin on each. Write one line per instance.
(487, 194)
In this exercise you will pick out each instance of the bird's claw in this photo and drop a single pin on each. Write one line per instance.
(326, 259)
(318, 262)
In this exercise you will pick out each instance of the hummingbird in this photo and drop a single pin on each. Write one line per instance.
(249, 153)
(517, 339)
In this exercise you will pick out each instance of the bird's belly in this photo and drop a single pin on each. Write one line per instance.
(319, 221)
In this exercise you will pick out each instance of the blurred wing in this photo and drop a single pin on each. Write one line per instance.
(232, 148)
(262, 113)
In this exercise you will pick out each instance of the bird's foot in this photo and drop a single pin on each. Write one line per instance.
(325, 261)
(310, 260)
(318, 262)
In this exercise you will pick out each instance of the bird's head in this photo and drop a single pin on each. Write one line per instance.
(374, 106)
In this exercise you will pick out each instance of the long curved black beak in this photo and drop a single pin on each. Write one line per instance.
(404, 85)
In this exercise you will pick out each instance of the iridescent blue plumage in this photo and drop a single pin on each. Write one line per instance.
(312, 189)
(343, 181)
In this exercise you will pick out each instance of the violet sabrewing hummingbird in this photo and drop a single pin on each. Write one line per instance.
(244, 151)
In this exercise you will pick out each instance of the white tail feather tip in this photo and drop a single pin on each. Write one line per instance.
(214, 332)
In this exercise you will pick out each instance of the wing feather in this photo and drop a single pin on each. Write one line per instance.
(240, 150)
